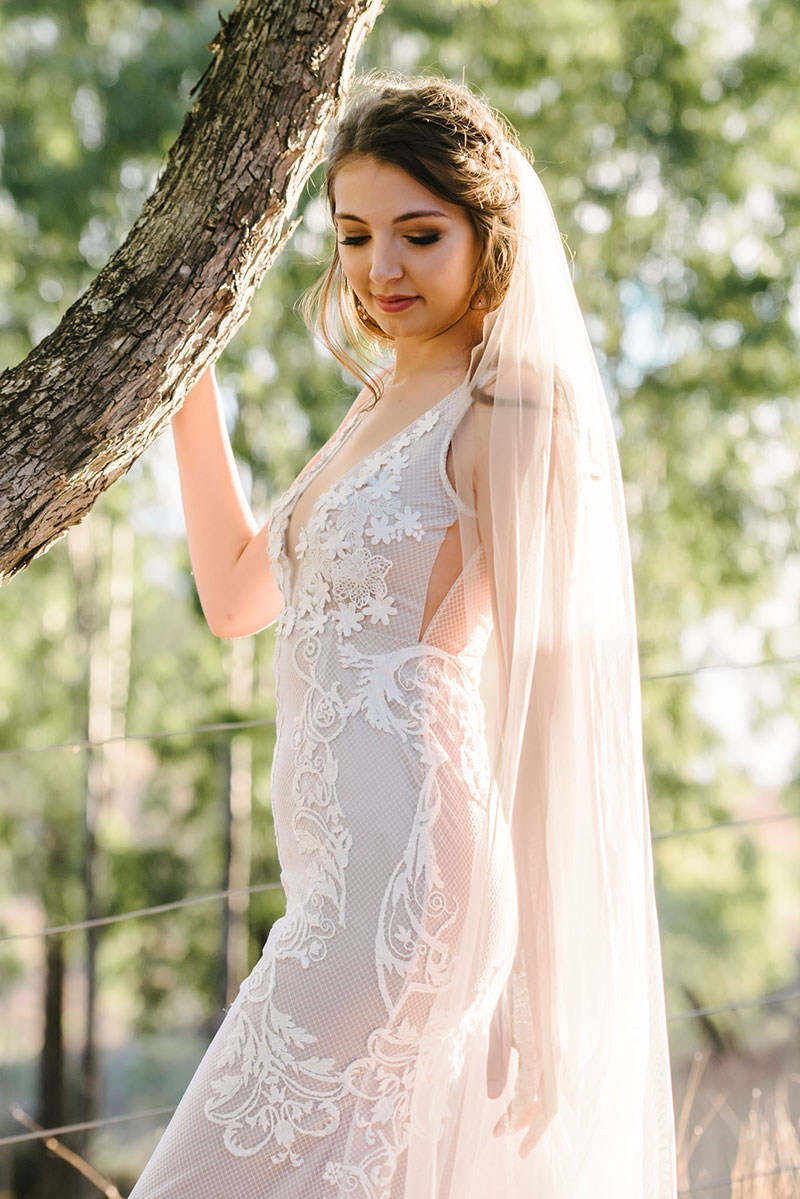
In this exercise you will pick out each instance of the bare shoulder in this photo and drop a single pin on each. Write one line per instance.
(561, 402)
(490, 406)
(481, 412)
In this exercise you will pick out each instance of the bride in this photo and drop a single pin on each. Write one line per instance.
(464, 998)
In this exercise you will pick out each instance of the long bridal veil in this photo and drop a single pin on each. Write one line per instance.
(567, 1016)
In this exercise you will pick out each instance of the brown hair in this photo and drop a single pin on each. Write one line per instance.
(452, 143)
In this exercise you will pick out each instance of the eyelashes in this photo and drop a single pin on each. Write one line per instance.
(427, 240)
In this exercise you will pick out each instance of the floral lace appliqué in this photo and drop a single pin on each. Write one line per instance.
(342, 574)
(269, 1088)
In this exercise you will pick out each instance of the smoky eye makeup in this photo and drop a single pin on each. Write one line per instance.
(423, 239)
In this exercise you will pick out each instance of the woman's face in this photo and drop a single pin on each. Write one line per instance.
(397, 239)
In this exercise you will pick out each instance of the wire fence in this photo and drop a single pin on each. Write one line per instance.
(237, 725)
(222, 726)
(690, 830)
(155, 910)
(701, 669)
(176, 904)
(161, 1112)
(718, 1183)
(226, 726)
(85, 1125)
(158, 909)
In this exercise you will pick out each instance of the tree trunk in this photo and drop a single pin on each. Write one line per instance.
(240, 807)
(104, 631)
(237, 780)
(84, 560)
(94, 393)
(51, 1175)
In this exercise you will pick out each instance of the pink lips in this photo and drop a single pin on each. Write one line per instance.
(394, 303)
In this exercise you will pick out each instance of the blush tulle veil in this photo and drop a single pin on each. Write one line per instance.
(569, 1020)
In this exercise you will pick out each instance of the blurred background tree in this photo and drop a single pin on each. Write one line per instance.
(665, 134)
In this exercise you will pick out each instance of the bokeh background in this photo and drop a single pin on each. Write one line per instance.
(667, 135)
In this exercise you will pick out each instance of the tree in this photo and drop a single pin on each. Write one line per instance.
(94, 393)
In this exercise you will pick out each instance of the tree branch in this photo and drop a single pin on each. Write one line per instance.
(94, 393)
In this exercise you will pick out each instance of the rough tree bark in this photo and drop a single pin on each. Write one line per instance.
(94, 393)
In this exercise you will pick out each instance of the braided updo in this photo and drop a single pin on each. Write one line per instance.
(453, 144)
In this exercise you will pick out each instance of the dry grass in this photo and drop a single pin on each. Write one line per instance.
(767, 1162)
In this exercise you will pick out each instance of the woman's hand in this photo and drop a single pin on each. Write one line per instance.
(532, 1103)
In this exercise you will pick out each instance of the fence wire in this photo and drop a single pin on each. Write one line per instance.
(154, 1112)
(176, 904)
(734, 1179)
(689, 830)
(222, 726)
(232, 725)
(157, 909)
(85, 1125)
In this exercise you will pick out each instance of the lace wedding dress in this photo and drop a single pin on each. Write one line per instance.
(381, 790)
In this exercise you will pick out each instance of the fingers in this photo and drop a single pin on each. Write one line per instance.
(529, 1142)
(516, 1116)
(534, 1119)
(527, 1110)
(524, 1098)
(498, 1056)
(532, 1106)
(531, 1119)
(539, 1124)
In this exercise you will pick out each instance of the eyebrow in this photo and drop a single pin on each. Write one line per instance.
(408, 216)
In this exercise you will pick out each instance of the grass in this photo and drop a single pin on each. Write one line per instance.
(767, 1140)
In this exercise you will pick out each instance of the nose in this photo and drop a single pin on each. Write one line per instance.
(385, 265)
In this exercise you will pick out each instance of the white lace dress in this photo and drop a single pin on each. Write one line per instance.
(379, 785)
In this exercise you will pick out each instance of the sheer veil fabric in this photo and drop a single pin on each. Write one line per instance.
(570, 1019)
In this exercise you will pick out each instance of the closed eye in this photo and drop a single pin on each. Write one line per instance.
(427, 240)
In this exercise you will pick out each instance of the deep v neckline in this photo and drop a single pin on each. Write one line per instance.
(324, 459)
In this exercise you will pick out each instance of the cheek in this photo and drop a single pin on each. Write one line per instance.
(454, 269)
(357, 275)
(349, 265)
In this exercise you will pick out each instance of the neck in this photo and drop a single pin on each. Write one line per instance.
(443, 353)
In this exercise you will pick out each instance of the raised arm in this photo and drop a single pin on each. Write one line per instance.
(232, 571)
